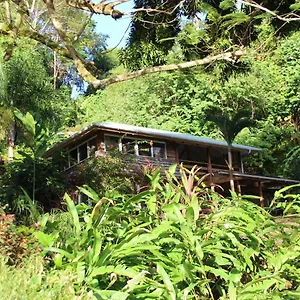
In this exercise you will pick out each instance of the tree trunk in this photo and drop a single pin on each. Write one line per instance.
(11, 141)
(230, 167)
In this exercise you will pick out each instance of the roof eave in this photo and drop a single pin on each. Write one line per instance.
(173, 136)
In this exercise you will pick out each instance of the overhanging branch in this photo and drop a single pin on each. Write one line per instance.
(229, 56)
(286, 18)
(104, 7)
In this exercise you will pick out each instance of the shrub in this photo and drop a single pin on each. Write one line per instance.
(16, 242)
(32, 281)
(159, 244)
(17, 176)
(105, 174)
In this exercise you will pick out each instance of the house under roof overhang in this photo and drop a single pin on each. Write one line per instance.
(151, 133)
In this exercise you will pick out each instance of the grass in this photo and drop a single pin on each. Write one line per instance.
(32, 280)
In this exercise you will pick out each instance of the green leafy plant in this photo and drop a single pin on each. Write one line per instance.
(106, 175)
(230, 127)
(16, 242)
(176, 240)
(35, 138)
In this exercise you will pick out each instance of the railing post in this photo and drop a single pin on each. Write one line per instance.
(261, 195)
(209, 169)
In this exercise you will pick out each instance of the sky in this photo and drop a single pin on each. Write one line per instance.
(115, 29)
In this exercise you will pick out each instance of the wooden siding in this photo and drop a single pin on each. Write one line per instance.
(140, 163)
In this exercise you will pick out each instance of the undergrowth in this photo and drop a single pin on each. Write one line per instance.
(33, 281)
(176, 240)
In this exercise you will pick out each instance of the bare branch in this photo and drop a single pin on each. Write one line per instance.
(41, 38)
(8, 12)
(81, 31)
(155, 10)
(229, 56)
(84, 68)
(103, 8)
(260, 7)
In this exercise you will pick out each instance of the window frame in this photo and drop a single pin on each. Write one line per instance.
(119, 141)
(137, 141)
(78, 161)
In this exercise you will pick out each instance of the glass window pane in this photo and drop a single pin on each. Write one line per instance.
(218, 157)
(111, 143)
(159, 150)
(73, 157)
(128, 146)
(193, 154)
(144, 148)
(92, 146)
(83, 154)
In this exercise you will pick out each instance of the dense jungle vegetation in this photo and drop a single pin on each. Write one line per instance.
(177, 239)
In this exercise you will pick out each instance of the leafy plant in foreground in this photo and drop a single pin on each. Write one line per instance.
(160, 245)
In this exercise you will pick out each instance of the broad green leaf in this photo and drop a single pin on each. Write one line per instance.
(61, 251)
(101, 271)
(195, 205)
(167, 281)
(188, 268)
(232, 291)
(90, 193)
(190, 215)
(72, 209)
(151, 203)
(119, 270)
(217, 272)
(235, 275)
(80, 268)
(142, 196)
(57, 258)
(258, 286)
(96, 245)
(136, 280)
(46, 240)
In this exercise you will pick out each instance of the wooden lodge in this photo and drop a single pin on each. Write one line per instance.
(162, 148)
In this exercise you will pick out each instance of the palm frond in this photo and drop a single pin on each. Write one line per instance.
(230, 127)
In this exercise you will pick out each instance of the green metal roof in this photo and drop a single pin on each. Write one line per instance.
(151, 133)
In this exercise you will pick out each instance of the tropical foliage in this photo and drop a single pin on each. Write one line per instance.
(175, 241)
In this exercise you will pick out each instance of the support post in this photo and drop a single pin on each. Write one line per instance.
(239, 188)
(261, 195)
(209, 169)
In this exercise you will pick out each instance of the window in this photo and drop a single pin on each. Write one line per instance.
(112, 143)
(158, 150)
(137, 147)
(82, 151)
(129, 146)
(218, 157)
(144, 148)
(73, 157)
(192, 154)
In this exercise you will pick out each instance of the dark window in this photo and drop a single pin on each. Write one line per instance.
(128, 146)
(73, 157)
(92, 146)
(136, 147)
(159, 150)
(218, 157)
(111, 143)
(193, 154)
(144, 148)
(83, 153)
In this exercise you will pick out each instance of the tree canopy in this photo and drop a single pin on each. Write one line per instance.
(213, 29)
